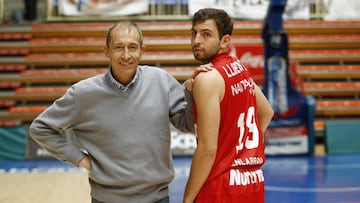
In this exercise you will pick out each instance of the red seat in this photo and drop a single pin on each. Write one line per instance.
(9, 123)
(27, 109)
(40, 90)
(14, 52)
(12, 68)
(319, 125)
(7, 103)
(14, 36)
(9, 85)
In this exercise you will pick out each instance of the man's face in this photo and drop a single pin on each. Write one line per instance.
(205, 41)
(124, 50)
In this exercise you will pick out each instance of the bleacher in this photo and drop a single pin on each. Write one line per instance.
(40, 61)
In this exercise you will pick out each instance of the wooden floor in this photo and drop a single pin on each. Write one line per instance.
(48, 184)
(52, 187)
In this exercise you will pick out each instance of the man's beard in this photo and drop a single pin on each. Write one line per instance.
(204, 59)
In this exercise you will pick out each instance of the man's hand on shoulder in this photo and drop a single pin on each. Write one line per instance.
(202, 68)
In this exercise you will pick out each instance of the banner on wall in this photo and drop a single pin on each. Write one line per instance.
(341, 10)
(253, 9)
(102, 7)
(251, 55)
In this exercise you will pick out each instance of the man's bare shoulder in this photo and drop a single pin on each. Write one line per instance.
(209, 75)
(211, 80)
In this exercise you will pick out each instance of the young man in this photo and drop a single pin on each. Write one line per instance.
(231, 115)
(121, 121)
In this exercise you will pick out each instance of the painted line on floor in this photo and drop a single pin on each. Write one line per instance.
(291, 189)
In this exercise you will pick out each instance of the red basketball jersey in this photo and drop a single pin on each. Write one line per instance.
(236, 175)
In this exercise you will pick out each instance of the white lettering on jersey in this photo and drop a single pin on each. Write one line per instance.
(252, 137)
(241, 86)
(244, 178)
(248, 161)
(233, 68)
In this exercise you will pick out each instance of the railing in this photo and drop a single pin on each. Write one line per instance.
(1, 10)
(318, 9)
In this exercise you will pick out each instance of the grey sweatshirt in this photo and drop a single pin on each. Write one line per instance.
(126, 134)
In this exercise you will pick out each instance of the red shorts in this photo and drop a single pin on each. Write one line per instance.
(247, 189)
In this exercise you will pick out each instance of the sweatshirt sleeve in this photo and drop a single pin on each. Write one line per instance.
(181, 106)
(49, 127)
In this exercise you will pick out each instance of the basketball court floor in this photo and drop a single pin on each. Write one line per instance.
(294, 179)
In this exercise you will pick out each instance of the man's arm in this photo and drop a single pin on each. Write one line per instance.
(207, 94)
(184, 121)
(47, 129)
(264, 109)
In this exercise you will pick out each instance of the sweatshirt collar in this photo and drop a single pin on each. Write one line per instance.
(123, 88)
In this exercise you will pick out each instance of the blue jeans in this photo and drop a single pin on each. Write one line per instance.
(165, 200)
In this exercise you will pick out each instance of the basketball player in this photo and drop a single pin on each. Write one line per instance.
(231, 115)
